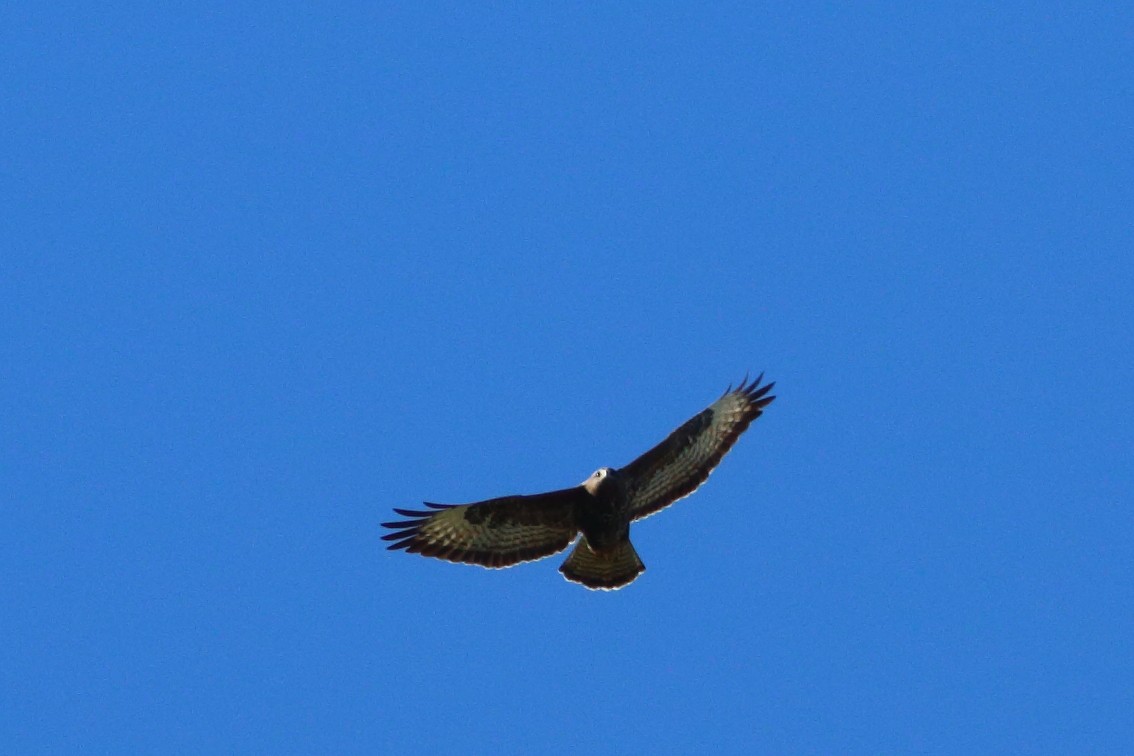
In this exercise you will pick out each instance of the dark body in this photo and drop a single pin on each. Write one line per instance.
(604, 513)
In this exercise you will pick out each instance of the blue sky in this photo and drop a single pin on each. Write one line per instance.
(270, 270)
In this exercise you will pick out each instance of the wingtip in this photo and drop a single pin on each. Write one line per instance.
(405, 544)
(751, 387)
(411, 512)
(755, 393)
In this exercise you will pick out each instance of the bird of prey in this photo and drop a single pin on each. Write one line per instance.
(512, 529)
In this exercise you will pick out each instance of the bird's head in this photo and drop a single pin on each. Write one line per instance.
(594, 483)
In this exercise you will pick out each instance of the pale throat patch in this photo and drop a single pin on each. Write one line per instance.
(592, 483)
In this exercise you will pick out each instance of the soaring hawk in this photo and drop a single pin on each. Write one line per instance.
(513, 529)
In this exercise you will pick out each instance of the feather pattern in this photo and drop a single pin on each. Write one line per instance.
(678, 465)
(493, 533)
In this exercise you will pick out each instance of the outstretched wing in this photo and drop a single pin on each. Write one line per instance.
(677, 466)
(494, 533)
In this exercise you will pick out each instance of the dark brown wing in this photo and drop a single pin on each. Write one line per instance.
(677, 466)
(494, 533)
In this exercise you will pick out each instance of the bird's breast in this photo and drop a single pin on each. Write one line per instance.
(604, 521)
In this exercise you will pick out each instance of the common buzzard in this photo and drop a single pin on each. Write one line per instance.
(513, 529)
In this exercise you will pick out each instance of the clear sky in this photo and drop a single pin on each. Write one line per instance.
(271, 269)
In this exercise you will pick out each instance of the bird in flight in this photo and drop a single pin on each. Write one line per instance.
(512, 529)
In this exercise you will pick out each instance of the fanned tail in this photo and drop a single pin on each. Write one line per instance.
(605, 571)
